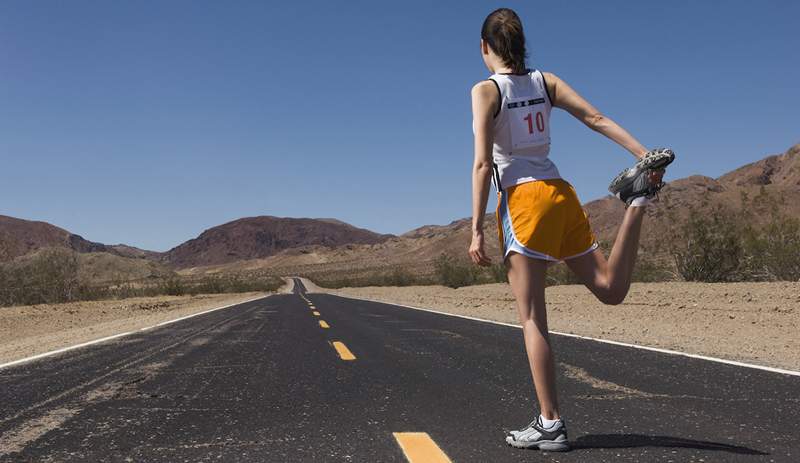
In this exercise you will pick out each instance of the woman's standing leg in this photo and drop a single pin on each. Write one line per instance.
(527, 279)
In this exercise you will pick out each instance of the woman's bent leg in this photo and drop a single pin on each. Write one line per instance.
(527, 279)
(610, 280)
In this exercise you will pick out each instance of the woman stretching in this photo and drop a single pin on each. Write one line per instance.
(540, 219)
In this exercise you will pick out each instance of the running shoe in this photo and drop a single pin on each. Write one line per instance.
(635, 181)
(553, 439)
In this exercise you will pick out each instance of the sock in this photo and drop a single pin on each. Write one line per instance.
(547, 424)
(641, 201)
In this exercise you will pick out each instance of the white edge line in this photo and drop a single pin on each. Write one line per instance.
(606, 341)
(119, 335)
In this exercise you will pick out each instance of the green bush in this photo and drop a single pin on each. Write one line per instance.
(455, 274)
(49, 276)
(498, 273)
(399, 277)
(711, 248)
(720, 245)
(774, 252)
(649, 270)
(172, 287)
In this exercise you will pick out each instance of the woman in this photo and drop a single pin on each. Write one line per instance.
(539, 216)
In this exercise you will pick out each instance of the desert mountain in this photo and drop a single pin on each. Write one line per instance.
(21, 240)
(264, 236)
(19, 237)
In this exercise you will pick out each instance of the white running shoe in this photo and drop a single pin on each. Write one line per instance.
(553, 439)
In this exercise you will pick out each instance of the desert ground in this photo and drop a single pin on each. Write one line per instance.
(750, 322)
(34, 329)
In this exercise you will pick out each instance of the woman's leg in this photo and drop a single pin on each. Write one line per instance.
(610, 280)
(527, 278)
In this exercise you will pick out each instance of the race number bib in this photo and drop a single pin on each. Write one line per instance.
(527, 121)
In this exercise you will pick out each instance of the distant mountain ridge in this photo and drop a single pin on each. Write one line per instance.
(241, 239)
(264, 236)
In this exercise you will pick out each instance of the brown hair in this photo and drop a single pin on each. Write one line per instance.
(502, 30)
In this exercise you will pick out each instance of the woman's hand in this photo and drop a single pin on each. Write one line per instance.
(477, 252)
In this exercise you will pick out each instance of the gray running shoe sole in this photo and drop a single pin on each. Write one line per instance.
(633, 182)
(653, 160)
(559, 444)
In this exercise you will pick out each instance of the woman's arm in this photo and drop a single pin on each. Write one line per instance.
(566, 98)
(484, 102)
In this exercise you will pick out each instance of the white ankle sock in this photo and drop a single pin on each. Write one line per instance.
(641, 201)
(548, 423)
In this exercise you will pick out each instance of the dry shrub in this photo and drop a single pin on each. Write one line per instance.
(722, 245)
(710, 249)
(51, 276)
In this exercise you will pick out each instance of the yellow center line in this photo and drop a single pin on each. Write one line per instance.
(418, 447)
(324, 324)
(343, 351)
(315, 313)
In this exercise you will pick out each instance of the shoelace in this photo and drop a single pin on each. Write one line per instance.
(529, 426)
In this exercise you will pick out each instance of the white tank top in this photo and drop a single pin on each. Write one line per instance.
(522, 130)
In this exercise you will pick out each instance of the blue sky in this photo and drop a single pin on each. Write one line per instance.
(147, 122)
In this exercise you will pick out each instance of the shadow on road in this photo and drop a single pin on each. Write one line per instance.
(612, 441)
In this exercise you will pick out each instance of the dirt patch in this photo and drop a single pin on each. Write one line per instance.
(751, 322)
(33, 429)
(34, 329)
(612, 390)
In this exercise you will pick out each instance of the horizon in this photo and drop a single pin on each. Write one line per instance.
(186, 116)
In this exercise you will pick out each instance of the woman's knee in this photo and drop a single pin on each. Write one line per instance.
(612, 295)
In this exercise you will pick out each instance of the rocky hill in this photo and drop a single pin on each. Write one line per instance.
(19, 237)
(264, 236)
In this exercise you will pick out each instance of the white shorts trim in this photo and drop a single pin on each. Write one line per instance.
(591, 249)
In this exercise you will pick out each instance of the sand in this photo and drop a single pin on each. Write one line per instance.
(751, 322)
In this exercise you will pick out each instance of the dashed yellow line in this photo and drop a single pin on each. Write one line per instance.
(324, 324)
(343, 351)
(316, 314)
(418, 447)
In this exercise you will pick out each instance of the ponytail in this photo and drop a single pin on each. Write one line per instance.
(502, 30)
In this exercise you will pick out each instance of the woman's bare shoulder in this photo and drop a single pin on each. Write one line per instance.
(484, 87)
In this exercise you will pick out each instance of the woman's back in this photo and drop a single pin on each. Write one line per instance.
(522, 129)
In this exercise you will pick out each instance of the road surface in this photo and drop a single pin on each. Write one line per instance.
(315, 377)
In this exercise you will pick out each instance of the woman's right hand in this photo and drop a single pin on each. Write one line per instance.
(477, 252)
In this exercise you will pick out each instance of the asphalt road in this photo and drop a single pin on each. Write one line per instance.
(265, 381)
